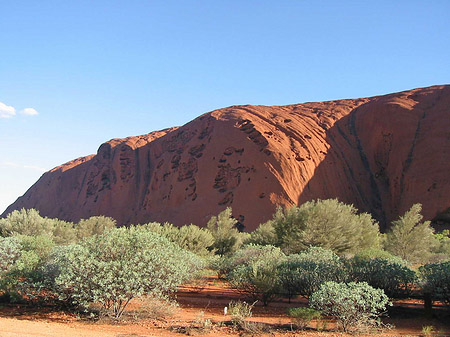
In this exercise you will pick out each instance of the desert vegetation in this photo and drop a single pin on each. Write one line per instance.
(323, 251)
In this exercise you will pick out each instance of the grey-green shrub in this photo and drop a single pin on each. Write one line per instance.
(304, 273)
(392, 275)
(20, 281)
(95, 225)
(436, 281)
(192, 238)
(122, 264)
(10, 251)
(29, 222)
(325, 223)
(254, 272)
(263, 235)
(353, 305)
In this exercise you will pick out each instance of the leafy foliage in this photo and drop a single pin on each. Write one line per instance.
(392, 275)
(304, 273)
(25, 276)
(410, 238)
(10, 251)
(255, 272)
(95, 225)
(122, 264)
(353, 305)
(29, 222)
(325, 223)
(442, 251)
(192, 238)
(436, 279)
(263, 235)
(227, 238)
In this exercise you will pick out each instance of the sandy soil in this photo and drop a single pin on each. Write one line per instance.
(196, 306)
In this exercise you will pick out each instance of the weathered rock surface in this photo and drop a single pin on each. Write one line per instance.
(382, 154)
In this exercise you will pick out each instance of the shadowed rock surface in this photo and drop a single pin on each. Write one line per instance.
(381, 154)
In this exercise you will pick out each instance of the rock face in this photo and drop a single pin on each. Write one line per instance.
(382, 154)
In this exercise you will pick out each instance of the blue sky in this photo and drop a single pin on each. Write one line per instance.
(96, 70)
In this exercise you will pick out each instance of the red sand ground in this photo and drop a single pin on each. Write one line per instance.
(407, 316)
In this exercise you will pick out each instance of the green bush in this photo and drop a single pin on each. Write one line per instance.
(227, 238)
(95, 225)
(263, 235)
(392, 275)
(121, 264)
(325, 223)
(10, 251)
(436, 281)
(304, 273)
(23, 280)
(29, 222)
(192, 238)
(255, 272)
(353, 305)
(303, 316)
(410, 238)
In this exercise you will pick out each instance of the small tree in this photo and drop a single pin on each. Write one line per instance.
(263, 235)
(121, 264)
(325, 223)
(353, 305)
(227, 238)
(410, 238)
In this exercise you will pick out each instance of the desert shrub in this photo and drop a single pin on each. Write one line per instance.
(378, 253)
(192, 238)
(195, 239)
(240, 312)
(221, 265)
(303, 316)
(25, 222)
(255, 272)
(392, 275)
(23, 280)
(95, 225)
(121, 264)
(325, 223)
(304, 273)
(263, 235)
(442, 250)
(436, 281)
(227, 238)
(353, 305)
(10, 251)
(152, 307)
(29, 222)
(410, 238)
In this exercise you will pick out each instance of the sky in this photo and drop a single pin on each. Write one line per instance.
(74, 74)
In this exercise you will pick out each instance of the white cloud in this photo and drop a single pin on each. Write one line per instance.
(29, 112)
(15, 165)
(7, 111)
